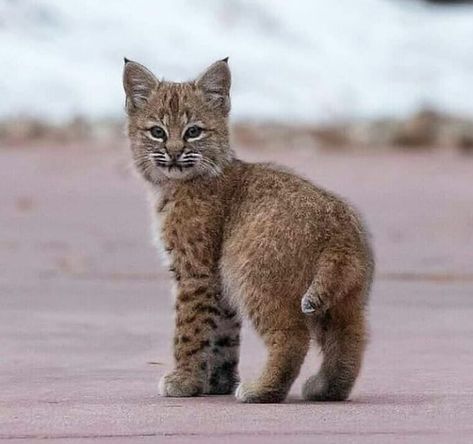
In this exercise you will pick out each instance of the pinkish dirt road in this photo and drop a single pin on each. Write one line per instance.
(86, 319)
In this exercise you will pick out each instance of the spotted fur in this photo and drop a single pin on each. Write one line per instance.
(245, 240)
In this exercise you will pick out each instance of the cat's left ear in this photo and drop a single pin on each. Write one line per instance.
(139, 83)
(215, 83)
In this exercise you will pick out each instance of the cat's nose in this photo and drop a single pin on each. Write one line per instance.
(174, 155)
(174, 148)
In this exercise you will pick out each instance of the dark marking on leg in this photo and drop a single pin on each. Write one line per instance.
(206, 308)
(227, 341)
(211, 323)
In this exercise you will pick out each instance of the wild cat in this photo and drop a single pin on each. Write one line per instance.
(245, 240)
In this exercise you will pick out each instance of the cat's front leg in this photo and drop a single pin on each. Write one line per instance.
(197, 316)
(224, 353)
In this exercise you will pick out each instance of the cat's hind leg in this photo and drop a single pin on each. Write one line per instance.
(341, 333)
(287, 338)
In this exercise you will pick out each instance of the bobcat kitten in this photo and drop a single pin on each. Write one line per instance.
(245, 240)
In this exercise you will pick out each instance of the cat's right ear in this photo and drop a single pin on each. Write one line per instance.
(215, 83)
(139, 83)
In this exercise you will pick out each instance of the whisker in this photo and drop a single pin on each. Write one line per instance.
(210, 166)
(192, 155)
(157, 155)
(188, 161)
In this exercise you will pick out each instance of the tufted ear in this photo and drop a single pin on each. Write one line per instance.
(215, 83)
(139, 83)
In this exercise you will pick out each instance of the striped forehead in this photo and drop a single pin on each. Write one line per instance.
(174, 103)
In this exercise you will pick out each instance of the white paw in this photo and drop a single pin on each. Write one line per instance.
(244, 392)
(162, 387)
(176, 384)
(248, 392)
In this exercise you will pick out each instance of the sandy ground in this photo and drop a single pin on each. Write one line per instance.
(86, 319)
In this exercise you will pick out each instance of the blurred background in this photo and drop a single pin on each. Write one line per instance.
(403, 65)
(372, 99)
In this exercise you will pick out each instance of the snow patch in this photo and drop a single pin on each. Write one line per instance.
(291, 60)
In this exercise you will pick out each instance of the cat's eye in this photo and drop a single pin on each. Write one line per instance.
(157, 133)
(192, 132)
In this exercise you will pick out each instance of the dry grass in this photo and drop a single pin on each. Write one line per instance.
(424, 130)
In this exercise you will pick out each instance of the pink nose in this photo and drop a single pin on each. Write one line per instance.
(174, 155)
(174, 147)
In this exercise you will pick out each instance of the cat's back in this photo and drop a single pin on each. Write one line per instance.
(278, 225)
(271, 193)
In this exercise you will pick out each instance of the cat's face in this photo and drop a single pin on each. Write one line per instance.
(178, 130)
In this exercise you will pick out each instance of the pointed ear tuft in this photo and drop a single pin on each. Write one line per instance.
(139, 83)
(215, 83)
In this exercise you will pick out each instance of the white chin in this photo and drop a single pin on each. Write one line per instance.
(176, 173)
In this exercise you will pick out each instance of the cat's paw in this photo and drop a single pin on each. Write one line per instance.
(317, 388)
(313, 303)
(253, 393)
(223, 379)
(222, 386)
(179, 384)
